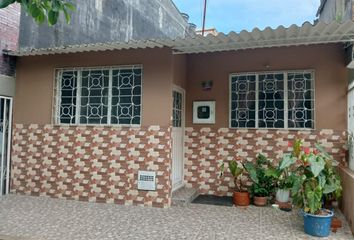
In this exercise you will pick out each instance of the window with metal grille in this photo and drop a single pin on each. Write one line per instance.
(177, 109)
(272, 100)
(108, 95)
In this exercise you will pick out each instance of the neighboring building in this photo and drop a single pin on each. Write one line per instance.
(207, 31)
(9, 32)
(102, 21)
(335, 10)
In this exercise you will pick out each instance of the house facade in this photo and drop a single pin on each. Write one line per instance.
(89, 119)
(9, 32)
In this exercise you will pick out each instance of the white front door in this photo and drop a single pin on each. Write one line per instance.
(5, 143)
(177, 138)
(351, 124)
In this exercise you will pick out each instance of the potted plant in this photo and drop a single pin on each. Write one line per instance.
(241, 196)
(283, 179)
(263, 184)
(314, 178)
(284, 184)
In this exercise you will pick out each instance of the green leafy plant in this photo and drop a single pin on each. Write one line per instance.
(43, 10)
(236, 172)
(263, 181)
(282, 173)
(313, 177)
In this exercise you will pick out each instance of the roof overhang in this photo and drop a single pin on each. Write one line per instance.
(307, 34)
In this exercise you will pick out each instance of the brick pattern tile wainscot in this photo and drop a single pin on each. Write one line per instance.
(206, 149)
(98, 164)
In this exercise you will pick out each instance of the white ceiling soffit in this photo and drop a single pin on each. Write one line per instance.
(306, 34)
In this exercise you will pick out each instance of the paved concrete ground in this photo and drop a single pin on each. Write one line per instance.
(38, 218)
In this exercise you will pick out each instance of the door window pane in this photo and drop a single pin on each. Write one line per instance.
(177, 109)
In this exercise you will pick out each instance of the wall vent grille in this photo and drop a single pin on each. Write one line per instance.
(147, 180)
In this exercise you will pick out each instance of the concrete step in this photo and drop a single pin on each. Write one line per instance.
(184, 196)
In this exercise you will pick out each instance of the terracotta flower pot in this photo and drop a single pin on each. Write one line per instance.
(260, 201)
(335, 224)
(241, 198)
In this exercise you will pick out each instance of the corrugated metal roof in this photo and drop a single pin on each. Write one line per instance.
(294, 35)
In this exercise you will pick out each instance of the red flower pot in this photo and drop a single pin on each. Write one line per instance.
(260, 201)
(241, 198)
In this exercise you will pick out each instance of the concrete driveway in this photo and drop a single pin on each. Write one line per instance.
(23, 217)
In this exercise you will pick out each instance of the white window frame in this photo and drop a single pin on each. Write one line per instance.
(285, 72)
(57, 95)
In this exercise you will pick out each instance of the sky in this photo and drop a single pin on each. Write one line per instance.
(238, 15)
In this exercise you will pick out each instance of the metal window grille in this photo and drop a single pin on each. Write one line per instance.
(177, 109)
(272, 100)
(91, 96)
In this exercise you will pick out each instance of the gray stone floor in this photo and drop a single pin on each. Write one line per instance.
(183, 196)
(23, 218)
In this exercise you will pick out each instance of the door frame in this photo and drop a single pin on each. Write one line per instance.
(183, 92)
(350, 115)
(9, 146)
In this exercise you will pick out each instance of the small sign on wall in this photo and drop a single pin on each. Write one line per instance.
(204, 112)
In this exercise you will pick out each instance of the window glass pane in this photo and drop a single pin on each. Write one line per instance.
(126, 96)
(243, 101)
(68, 85)
(94, 96)
(177, 109)
(271, 100)
(271, 108)
(300, 100)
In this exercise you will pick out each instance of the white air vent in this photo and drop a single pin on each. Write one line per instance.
(147, 180)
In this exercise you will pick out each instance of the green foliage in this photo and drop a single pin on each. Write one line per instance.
(284, 180)
(263, 176)
(236, 172)
(44, 10)
(313, 177)
(287, 161)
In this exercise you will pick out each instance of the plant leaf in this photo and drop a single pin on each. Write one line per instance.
(5, 3)
(313, 198)
(67, 15)
(323, 151)
(272, 172)
(328, 188)
(53, 17)
(70, 6)
(234, 169)
(297, 184)
(251, 169)
(287, 161)
(317, 164)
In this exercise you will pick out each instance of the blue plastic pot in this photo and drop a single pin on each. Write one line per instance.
(317, 225)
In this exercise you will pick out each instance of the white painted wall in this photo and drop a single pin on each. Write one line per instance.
(7, 86)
